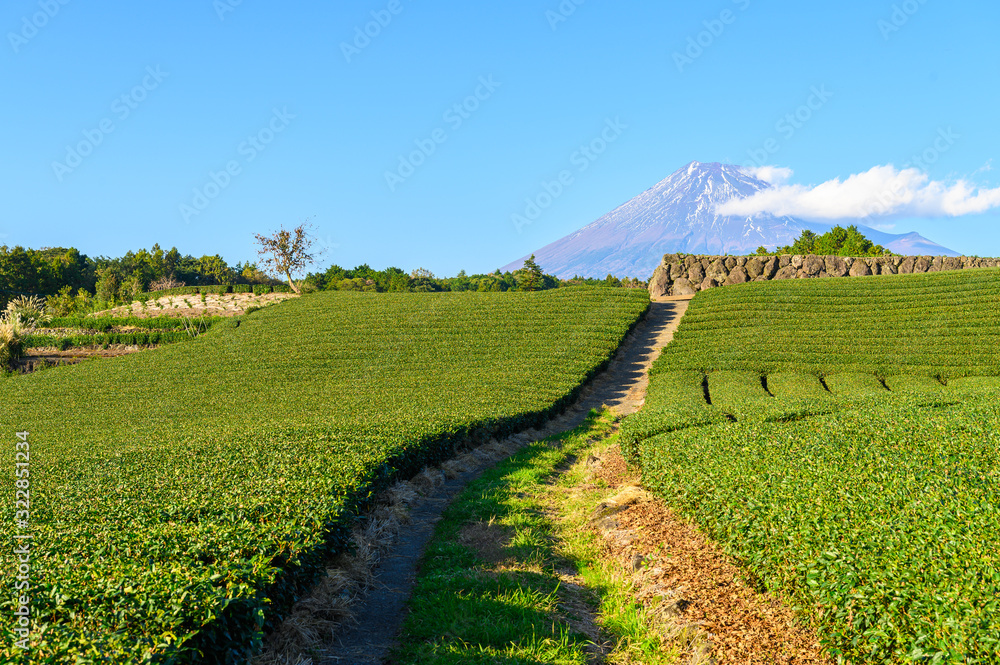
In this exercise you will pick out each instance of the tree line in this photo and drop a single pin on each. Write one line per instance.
(530, 277)
(66, 272)
(81, 282)
(838, 241)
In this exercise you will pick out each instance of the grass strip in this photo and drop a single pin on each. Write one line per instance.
(513, 575)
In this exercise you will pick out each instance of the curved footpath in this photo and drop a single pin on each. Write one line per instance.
(621, 387)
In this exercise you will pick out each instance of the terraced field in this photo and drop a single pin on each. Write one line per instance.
(180, 498)
(841, 438)
(935, 324)
(90, 332)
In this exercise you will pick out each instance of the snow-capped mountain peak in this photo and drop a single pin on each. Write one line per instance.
(678, 214)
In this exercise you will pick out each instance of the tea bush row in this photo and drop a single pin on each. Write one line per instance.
(936, 324)
(184, 497)
(882, 523)
(858, 468)
(216, 289)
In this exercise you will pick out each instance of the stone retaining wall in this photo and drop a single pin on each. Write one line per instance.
(686, 274)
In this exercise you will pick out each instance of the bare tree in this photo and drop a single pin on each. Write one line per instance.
(288, 252)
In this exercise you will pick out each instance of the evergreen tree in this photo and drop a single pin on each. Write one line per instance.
(532, 277)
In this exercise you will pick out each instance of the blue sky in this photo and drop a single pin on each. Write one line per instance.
(203, 122)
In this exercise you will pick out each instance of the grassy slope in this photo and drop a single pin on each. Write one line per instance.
(873, 505)
(173, 492)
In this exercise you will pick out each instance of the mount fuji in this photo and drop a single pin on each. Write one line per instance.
(678, 215)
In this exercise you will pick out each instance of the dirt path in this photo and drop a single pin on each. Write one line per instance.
(676, 567)
(379, 616)
(622, 386)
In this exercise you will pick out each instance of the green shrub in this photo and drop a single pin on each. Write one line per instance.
(11, 338)
(859, 473)
(177, 291)
(169, 529)
(882, 525)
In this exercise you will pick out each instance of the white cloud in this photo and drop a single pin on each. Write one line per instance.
(775, 175)
(882, 191)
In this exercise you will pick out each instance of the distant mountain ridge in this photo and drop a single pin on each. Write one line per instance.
(678, 215)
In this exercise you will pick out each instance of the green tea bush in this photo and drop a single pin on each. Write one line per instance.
(675, 400)
(848, 385)
(859, 473)
(740, 394)
(182, 499)
(794, 386)
(176, 291)
(881, 521)
(914, 384)
(935, 324)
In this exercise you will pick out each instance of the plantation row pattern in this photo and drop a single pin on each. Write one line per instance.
(841, 439)
(184, 497)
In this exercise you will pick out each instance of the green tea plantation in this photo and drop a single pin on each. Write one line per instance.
(841, 439)
(934, 324)
(182, 498)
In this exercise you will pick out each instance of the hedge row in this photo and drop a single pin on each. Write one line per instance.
(185, 498)
(104, 339)
(216, 289)
(845, 448)
(937, 324)
(106, 323)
